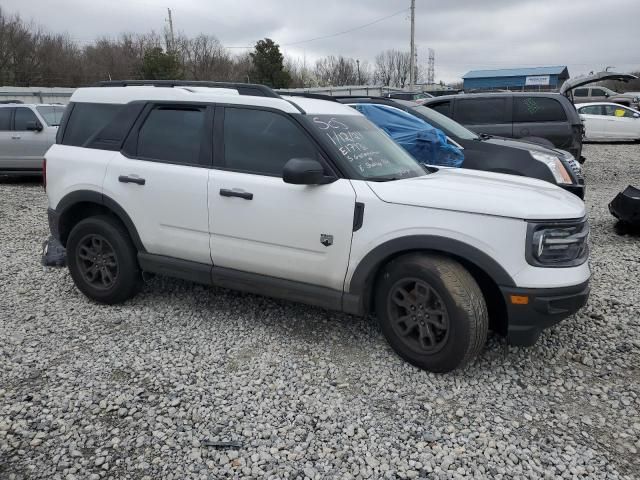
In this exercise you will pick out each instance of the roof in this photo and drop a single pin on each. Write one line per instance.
(184, 94)
(517, 72)
(128, 94)
(430, 101)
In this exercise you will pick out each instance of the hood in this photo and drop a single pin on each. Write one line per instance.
(520, 144)
(484, 193)
(595, 77)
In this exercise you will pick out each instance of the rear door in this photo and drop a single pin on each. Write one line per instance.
(160, 179)
(490, 114)
(262, 225)
(32, 143)
(594, 121)
(544, 117)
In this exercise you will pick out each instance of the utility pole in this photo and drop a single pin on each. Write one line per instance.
(412, 59)
(358, 64)
(431, 72)
(173, 44)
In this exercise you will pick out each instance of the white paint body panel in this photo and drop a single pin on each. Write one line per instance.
(277, 233)
(502, 239)
(169, 210)
(608, 127)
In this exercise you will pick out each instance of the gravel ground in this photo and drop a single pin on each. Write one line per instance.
(140, 391)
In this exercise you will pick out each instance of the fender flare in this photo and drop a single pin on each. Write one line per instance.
(81, 196)
(374, 259)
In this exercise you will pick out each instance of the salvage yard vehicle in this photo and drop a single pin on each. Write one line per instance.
(26, 133)
(493, 154)
(541, 117)
(609, 121)
(577, 89)
(305, 199)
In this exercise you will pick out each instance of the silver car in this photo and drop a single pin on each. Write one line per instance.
(26, 133)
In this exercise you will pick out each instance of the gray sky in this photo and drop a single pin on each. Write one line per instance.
(465, 34)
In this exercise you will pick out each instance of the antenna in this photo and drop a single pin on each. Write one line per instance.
(431, 70)
(170, 20)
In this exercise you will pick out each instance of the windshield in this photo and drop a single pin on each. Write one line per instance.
(364, 149)
(444, 123)
(51, 114)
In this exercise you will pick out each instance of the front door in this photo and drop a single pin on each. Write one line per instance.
(32, 144)
(260, 224)
(620, 122)
(160, 180)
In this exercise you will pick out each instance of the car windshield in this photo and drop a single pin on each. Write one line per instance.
(364, 149)
(444, 123)
(52, 114)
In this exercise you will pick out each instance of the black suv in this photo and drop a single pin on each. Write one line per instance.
(546, 118)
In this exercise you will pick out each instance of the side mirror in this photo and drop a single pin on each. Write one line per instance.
(636, 115)
(305, 171)
(34, 126)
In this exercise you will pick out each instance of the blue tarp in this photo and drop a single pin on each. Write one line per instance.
(425, 143)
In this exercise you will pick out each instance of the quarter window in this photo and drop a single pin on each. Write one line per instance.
(23, 116)
(537, 109)
(5, 119)
(172, 134)
(261, 142)
(479, 111)
(87, 119)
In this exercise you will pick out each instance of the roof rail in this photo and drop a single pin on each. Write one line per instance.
(250, 89)
(318, 96)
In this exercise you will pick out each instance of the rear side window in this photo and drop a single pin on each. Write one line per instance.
(261, 142)
(87, 119)
(591, 110)
(581, 92)
(172, 134)
(537, 109)
(479, 111)
(442, 107)
(23, 116)
(5, 119)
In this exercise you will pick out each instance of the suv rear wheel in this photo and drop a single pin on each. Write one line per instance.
(431, 311)
(102, 260)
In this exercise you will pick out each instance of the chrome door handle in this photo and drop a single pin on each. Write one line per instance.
(16, 137)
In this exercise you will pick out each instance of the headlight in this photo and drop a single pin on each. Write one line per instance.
(557, 244)
(555, 165)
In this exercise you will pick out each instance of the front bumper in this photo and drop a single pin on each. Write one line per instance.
(544, 308)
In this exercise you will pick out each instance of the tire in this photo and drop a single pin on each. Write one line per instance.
(458, 305)
(115, 273)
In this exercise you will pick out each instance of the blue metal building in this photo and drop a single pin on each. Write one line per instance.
(537, 78)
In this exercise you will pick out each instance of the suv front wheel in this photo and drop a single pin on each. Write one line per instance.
(432, 311)
(102, 260)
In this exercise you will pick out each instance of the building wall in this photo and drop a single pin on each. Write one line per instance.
(506, 82)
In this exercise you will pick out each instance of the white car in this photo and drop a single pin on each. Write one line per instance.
(609, 121)
(305, 199)
(26, 133)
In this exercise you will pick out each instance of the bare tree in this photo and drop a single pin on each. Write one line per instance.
(392, 68)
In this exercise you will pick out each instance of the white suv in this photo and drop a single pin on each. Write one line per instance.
(305, 199)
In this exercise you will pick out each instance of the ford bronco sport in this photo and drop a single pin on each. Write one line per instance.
(305, 199)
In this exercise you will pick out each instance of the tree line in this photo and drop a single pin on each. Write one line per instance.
(32, 56)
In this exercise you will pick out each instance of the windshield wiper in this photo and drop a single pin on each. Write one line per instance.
(485, 136)
(383, 179)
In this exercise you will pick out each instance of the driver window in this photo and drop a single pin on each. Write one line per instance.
(261, 142)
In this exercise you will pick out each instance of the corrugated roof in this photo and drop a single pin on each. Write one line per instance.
(516, 72)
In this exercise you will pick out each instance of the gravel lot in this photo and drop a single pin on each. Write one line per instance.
(137, 391)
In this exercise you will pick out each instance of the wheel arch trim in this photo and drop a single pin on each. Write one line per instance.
(91, 196)
(375, 258)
